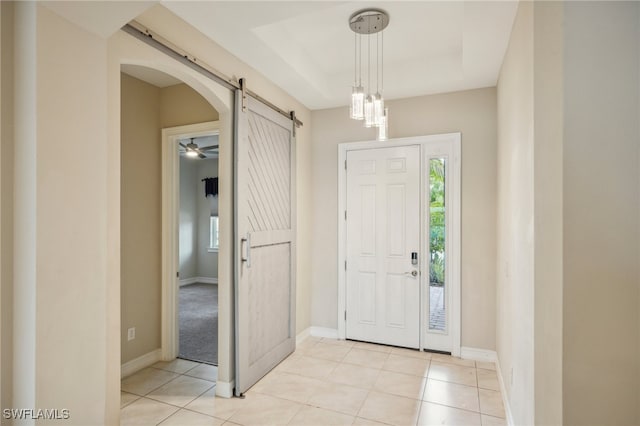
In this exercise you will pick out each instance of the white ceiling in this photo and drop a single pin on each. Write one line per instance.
(306, 47)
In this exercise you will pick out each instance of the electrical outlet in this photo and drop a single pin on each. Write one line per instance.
(131, 334)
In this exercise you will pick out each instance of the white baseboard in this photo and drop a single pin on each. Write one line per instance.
(139, 363)
(478, 354)
(503, 391)
(188, 281)
(225, 389)
(203, 280)
(330, 333)
(303, 335)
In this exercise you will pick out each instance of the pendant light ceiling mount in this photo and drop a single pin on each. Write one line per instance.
(367, 102)
(369, 21)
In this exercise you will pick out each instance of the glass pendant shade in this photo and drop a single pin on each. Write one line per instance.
(357, 103)
(378, 109)
(383, 128)
(368, 111)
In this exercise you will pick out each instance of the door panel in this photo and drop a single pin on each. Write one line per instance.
(383, 228)
(265, 233)
(266, 300)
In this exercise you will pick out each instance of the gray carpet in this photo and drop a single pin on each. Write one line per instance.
(198, 317)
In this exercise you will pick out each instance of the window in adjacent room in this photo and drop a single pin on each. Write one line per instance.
(213, 233)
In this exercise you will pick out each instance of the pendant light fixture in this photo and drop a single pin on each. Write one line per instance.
(368, 103)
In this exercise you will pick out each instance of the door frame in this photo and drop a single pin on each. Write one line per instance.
(171, 228)
(454, 140)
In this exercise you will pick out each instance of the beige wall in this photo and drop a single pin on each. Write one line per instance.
(601, 212)
(568, 214)
(515, 254)
(24, 265)
(181, 105)
(71, 219)
(60, 342)
(6, 201)
(145, 111)
(474, 114)
(140, 232)
(548, 127)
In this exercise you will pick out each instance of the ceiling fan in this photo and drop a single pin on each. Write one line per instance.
(193, 150)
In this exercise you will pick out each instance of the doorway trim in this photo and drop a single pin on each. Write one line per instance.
(454, 139)
(170, 229)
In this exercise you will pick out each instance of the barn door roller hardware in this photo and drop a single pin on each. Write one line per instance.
(154, 40)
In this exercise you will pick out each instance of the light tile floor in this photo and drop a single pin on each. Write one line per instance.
(325, 382)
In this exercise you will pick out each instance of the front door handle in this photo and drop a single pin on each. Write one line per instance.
(413, 273)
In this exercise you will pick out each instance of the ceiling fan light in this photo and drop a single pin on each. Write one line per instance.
(191, 153)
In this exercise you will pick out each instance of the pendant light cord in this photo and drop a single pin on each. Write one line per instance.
(355, 58)
(369, 55)
(360, 60)
(378, 62)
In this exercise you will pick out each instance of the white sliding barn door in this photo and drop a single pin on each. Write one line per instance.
(383, 230)
(265, 245)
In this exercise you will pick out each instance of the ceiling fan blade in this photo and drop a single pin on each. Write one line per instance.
(207, 148)
(201, 155)
(182, 145)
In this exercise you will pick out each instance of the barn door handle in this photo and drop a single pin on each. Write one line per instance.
(246, 242)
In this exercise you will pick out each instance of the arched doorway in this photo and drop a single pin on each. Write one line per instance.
(125, 50)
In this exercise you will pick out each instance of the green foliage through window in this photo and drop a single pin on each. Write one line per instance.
(437, 221)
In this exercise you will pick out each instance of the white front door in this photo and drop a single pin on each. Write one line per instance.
(383, 231)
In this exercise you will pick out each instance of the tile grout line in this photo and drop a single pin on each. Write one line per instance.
(479, 403)
(167, 417)
(173, 405)
(173, 379)
(156, 388)
(204, 414)
(458, 408)
(424, 389)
